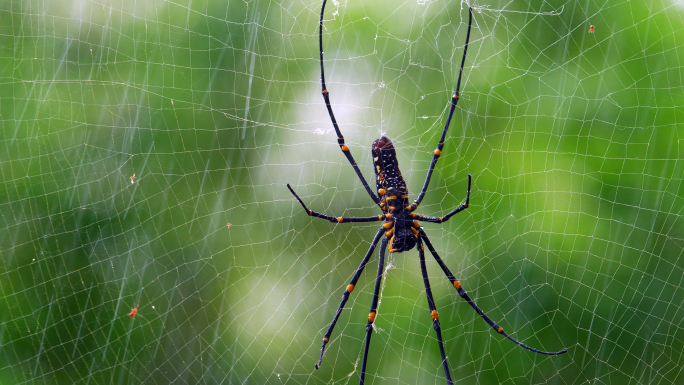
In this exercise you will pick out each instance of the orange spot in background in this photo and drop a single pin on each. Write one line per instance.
(134, 311)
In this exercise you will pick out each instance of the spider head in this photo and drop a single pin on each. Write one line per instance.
(404, 240)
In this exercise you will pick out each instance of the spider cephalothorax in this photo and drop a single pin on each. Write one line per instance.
(401, 230)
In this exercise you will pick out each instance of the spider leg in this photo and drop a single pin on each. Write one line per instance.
(433, 310)
(465, 296)
(451, 214)
(348, 290)
(336, 219)
(326, 97)
(373, 308)
(454, 101)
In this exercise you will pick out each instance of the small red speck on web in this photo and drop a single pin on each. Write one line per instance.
(132, 178)
(591, 29)
(228, 225)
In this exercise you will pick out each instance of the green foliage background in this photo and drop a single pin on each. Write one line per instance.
(573, 238)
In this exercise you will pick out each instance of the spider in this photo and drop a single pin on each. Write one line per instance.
(400, 230)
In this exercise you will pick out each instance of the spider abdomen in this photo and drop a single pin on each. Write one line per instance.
(387, 174)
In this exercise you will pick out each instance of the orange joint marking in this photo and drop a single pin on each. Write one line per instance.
(350, 288)
(440, 219)
(416, 224)
(325, 91)
(380, 217)
(310, 212)
(435, 315)
(404, 197)
(382, 204)
(387, 225)
(389, 198)
(340, 219)
(437, 152)
(465, 205)
(391, 249)
(409, 208)
(457, 284)
(388, 216)
(389, 232)
(414, 231)
(345, 148)
(371, 317)
(500, 329)
(392, 208)
(325, 339)
(455, 96)
(413, 215)
(381, 192)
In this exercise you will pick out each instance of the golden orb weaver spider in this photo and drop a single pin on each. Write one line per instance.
(401, 229)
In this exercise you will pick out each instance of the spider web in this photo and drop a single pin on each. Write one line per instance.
(573, 237)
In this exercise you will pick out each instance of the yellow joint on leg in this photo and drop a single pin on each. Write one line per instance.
(340, 219)
(457, 284)
(437, 152)
(345, 148)
(409, 208)
(435, 315)
(325, 91)
(310, 212)
(387, 225)
(389, 232)
(392, 208)
(404, 197)
(371, 317)
(350, 288)
(416, 224)
(388, 216)
(413, 215)
(325, 339)
(414, 231)
(455, 96)
(381, 192)
(500, 329)
(389, 198)
(391, 249)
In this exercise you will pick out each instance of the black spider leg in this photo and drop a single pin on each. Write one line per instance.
(451, 214)
(335, 219)
(465, 296)
(373, 308)
(433, 311)
(345, 295)
(326, 97)
(454, 101)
